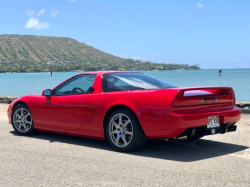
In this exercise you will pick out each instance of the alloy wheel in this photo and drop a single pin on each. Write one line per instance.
(22, 120)
(120, 130)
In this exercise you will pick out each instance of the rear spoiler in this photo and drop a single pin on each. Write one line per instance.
(203, 95)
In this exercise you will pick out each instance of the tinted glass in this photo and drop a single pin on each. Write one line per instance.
(132, 81)
(76, 85)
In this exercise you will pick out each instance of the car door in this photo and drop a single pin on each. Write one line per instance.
(66, 107)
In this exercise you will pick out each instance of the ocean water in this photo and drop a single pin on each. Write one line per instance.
(19, 84)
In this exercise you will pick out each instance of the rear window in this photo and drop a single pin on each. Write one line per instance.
(132, 81)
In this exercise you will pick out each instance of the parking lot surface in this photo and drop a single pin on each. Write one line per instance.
(48, 159)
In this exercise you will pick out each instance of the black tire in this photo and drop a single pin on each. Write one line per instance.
(26, 124)
(134, 141)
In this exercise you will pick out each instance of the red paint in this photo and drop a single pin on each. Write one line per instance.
(164, 113)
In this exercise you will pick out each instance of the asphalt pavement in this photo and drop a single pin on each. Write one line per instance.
(48, 159)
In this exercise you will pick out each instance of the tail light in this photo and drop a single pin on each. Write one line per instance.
(204, 96)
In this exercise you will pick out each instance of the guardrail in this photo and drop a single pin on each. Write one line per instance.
(244, 106)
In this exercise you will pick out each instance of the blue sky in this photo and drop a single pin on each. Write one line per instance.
(212, 33)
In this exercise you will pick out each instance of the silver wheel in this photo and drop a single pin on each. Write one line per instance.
(22, 120)
(120, 130)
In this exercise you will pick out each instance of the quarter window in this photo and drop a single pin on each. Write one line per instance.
(132, 81)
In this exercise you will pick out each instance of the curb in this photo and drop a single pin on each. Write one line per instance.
(7, 100)
(244, 106)
(245, 111)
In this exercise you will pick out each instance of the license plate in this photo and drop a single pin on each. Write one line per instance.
(213, 122)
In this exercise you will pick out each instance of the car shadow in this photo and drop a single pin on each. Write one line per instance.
(177, 150)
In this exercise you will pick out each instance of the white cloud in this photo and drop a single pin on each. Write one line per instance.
(34, 23)
(72, 0)
(53, 13)
(167, 55)
(41, 12)
(30, 12)
(249, 26)
(200, 5)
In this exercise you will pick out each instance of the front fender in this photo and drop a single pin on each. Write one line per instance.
(29, 100)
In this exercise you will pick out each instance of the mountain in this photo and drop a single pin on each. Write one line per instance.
(26, 53)
(46, 48)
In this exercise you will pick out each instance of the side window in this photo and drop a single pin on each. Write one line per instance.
(132, 81)
(115, 83)
(77, 85)
(120, 83)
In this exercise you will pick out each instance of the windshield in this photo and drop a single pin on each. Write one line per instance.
(132, 81)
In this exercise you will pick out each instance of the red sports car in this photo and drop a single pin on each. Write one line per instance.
(126, 108)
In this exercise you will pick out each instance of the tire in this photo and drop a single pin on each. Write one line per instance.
(22, 121)
(124, 131)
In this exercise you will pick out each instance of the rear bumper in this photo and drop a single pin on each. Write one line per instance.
(204, 131)
(177, 125)
(184, 121)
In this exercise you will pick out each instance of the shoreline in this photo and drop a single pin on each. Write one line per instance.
(244, 106)
(80, 70)
(76, 71)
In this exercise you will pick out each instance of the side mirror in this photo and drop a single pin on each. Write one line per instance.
(47, 92)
